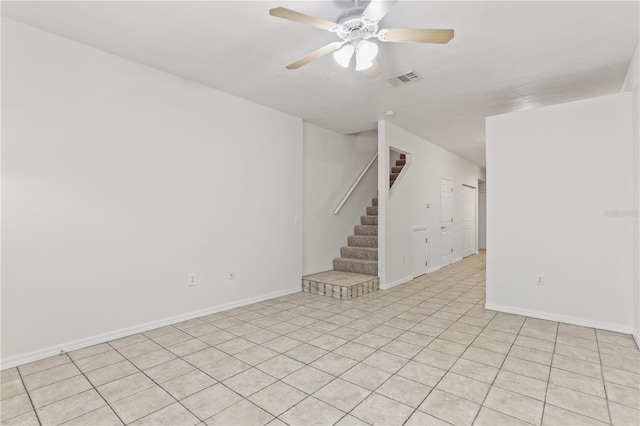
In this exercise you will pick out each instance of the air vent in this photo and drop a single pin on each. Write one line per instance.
(405, 78)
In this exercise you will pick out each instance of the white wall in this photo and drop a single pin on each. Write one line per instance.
(631, 84)
(406, 208)
(482, 215)
(551, 174)
(118, 180)
(331, 164)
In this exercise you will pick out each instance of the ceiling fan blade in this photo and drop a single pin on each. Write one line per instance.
(415, 35)
(372, 71)
(292, 15)
(315, 55)
(377, 9)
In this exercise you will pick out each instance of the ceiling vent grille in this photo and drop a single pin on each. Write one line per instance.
(405, 78)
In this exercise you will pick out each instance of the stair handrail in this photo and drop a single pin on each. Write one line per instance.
(358, 179)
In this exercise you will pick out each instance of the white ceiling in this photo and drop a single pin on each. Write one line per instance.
(505, 56)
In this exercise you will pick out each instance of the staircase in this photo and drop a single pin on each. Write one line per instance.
(361, 254)
(395, 171)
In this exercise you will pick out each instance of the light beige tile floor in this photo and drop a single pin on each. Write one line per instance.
(424, 353)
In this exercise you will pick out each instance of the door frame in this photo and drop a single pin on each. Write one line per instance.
(475, 220)
(426, 266)
(452, 201)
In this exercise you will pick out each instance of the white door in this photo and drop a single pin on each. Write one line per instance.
(446, 221)
(468, 225)
(420, 253)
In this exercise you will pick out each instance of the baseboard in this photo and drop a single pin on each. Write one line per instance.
(397, 282)
(39, 354)
(636, 337)
(457, 259)
(559, 318)
(435, 268)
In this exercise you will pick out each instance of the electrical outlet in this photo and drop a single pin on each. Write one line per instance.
(231, 275)
(540, 280)
(192, 279)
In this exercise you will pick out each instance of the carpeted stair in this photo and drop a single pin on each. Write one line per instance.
(361, 254)
(395, 171)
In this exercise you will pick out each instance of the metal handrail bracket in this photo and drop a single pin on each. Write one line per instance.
(355, 184)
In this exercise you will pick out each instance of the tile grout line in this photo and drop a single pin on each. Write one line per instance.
(606, 399)
(96, 390)
(546, 391)
(160, 386)
(604, 385)
(30, 400)
(81, 373)
(499, 368)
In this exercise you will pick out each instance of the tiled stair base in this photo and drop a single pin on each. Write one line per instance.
(340, 285)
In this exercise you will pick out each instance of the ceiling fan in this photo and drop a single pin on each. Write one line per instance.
(355, 27)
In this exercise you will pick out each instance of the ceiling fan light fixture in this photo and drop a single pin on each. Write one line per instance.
(343, 56)
(361, 62)
(368, 50)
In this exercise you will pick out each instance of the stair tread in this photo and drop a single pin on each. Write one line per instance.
(355, 252)
(362, 241)
(369, 220)
(354, 260)
(361, 248)
(365, 230)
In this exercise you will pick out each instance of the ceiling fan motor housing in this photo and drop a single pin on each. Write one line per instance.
(353, 28)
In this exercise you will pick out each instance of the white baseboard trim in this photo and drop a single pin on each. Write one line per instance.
(39, 354)
(559, 318)
(397, 282)
(636, 337)
(457, 259)
(435, 268)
